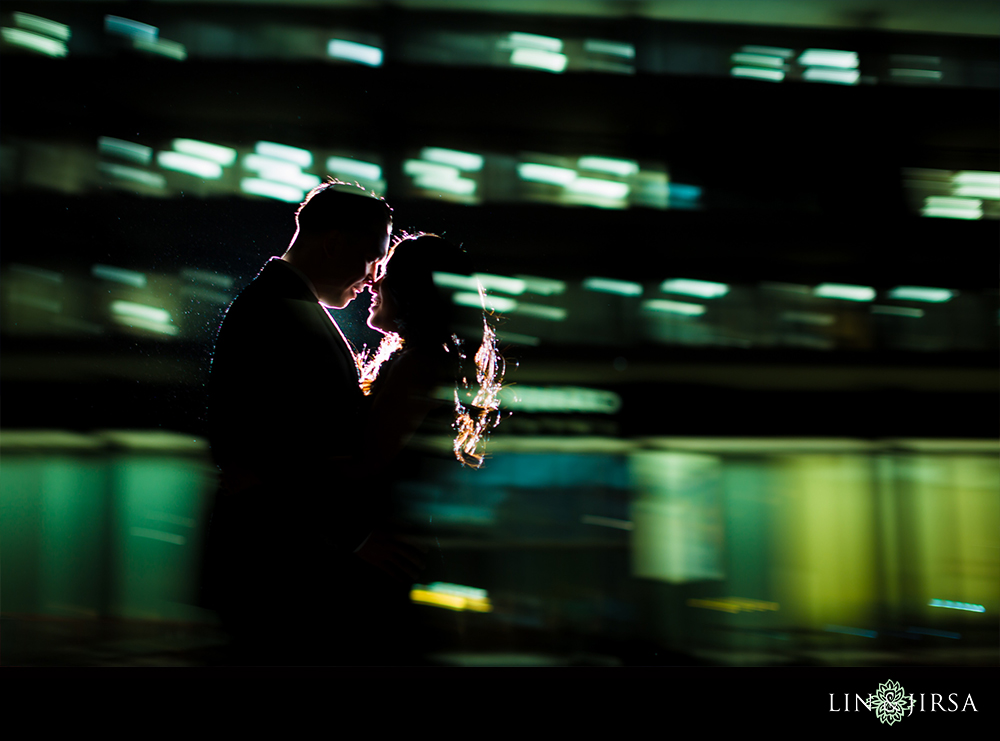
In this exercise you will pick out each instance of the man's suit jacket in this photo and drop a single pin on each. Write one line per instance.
(286, 417)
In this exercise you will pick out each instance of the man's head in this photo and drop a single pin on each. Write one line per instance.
(341, 238)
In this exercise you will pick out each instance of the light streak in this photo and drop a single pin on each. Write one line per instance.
(354, 52)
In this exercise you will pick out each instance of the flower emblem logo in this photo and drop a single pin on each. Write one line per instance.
(890, 702)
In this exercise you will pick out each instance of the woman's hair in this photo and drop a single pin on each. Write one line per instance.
(425, 318)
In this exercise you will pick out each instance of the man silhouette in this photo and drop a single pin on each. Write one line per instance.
(291, 527)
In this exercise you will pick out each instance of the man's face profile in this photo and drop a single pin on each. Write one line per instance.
(351, 263)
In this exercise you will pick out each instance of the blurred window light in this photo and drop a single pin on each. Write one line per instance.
(614, 48)
(119, 275)
(898, 311)
(35, 42)
(597, 187)
(924, 74)
(945, 207)
(951, 605)
(130, 29)
(829, 58)
(145, 317)
(280, 171)
(538, 59)
(839, 76)
(768, 51)
(977, 184)
(354, 168)
(453, 280)
(42, 25)
(164, 48)
(125, 149)
(542, 286)
(560, 399)
(224, 156)
(921, 293)
(49, 275)
(134, 175)
(420, 168)
(446, 184)
(513, 286)
(809, 317)
(549, 313)
(533, 41)
(756, 73)
(192, 165)
(461, 160)
(673, 307)
(683, 196)
(271, 189)
(606, 285)
(493, 303)
(624, 168)
(759, 60)
(355, 52)
(300, 157)
(700, 288)
(844, 291)
(545, 173)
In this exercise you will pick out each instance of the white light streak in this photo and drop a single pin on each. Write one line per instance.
(977, 177)
(606, 285)
(301, 157)
(125, 149)
(921, 293)
(614, 48)
(354, 168)
(760, 60)
(41, 273)
(140, 311)
(490, 282)
(162, 47)
(271, 189)
(600, 188)
(533, 41)
(829, 58)
(453, 280)
(459, 186)
(673, 307)
(926, 74)
(119, 275)
(542, 286)
(560, 399)
(224, 156)
(355, 52)
(538, 59)
(844, 291)
(549, 313)
(462, 160)
(952, 207)
(419, 168)
(493, 303)
(699, 288)
(755, 73)
(35, 42)
(129, 28)
(624, 168)
(42, 25)
(189, 164)
(837, 76)
(968, 606)
(545, 173)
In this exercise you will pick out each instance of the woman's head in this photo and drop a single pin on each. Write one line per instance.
(406, 300)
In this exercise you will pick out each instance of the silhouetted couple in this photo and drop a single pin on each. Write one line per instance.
(302, 562)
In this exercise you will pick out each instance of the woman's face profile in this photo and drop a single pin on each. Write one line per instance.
(382, 311)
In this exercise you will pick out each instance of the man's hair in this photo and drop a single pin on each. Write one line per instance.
(338, 205)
